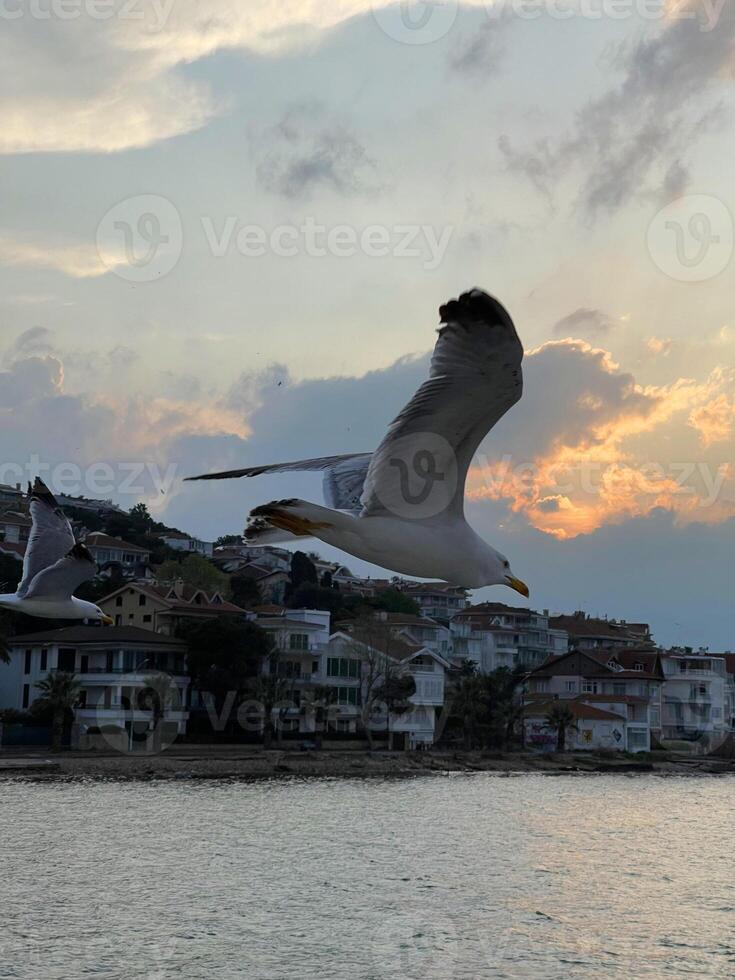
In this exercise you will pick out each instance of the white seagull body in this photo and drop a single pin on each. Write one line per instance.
(54, 566)
(402, 507)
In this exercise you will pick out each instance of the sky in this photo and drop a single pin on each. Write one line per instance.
(226, 230)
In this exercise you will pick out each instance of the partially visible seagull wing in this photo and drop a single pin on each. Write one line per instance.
(420, 468)
(59, 580)
(51, 535)
(344, 476)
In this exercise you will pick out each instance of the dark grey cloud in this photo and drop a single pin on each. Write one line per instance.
(479, 54)
(36, 340)
(649, 122)
(307, 151)
(583, 322)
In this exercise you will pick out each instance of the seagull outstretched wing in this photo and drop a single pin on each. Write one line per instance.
(51, 537)
(344, 476)
(475, 378)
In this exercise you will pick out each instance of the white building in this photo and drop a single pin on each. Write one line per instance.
(594, 727)
(114, 666)
(626, 683)
(356, 667)
(495, 635)
(186, 543)
(696, 705)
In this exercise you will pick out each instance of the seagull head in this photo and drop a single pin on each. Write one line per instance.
(500, 573)
(92, 612)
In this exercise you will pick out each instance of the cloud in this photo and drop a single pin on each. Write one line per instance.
(583, 321)
(596, 448)
(479, 54)
(307, 150)
(667, 99)
(714, 420)
(117, 80)
(76, 261)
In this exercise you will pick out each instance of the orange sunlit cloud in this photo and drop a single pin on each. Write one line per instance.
(605, 477)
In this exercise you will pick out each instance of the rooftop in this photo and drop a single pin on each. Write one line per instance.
(99, 635)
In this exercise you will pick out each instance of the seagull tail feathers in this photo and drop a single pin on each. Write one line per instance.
(282, 520)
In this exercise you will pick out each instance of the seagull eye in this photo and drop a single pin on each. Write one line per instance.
(506, 564)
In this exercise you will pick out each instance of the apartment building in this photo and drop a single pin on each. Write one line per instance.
(115, 667)
(495, 635)
(626, 683)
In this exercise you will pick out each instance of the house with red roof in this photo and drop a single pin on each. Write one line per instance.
(626, 683)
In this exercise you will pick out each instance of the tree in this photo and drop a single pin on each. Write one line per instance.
(244, 591)
(226, 539)
(309, 596)
(395, 601)
(11, 571)
(59, 694)
(159, 695)
(225, 657)
(303, 571)
(560, 719)
(374, 643)
(197, 571)
(140, 519)
(272, 689)
(486, 707)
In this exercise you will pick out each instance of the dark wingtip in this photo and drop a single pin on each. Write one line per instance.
(475, 305)
(39, 491)
(81, 553)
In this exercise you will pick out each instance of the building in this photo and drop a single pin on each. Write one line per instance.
(623, 682)
(436, 600)
(163, 608)
(107, 550)
(696, 702)
(495, 635)
(356, 667)
(415, 630)
(114, 666)
(15, 528)
(594, 727)
(186, 543)
(591, 633)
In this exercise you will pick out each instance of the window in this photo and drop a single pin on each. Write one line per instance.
(26, 694)
(348, 695)
(343, 667)
(570, 686)
(118, 620)
(27, 664)
(67, 661)
(540, 687)
(638, 666)
(44, 659)
(141, 600)
(147, 619)
(298, 641)
(118, 601)
(589, 687)
(618, 688)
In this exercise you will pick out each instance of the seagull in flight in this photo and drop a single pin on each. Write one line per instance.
(54, 566)
(402, 506)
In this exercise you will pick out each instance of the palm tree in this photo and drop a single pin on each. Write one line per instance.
(59, 694)
(159, 696)
(560, 719)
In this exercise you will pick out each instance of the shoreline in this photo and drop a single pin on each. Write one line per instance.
(200, 763)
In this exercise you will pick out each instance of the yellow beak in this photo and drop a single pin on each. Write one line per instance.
(515, 583)
(108, 620)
